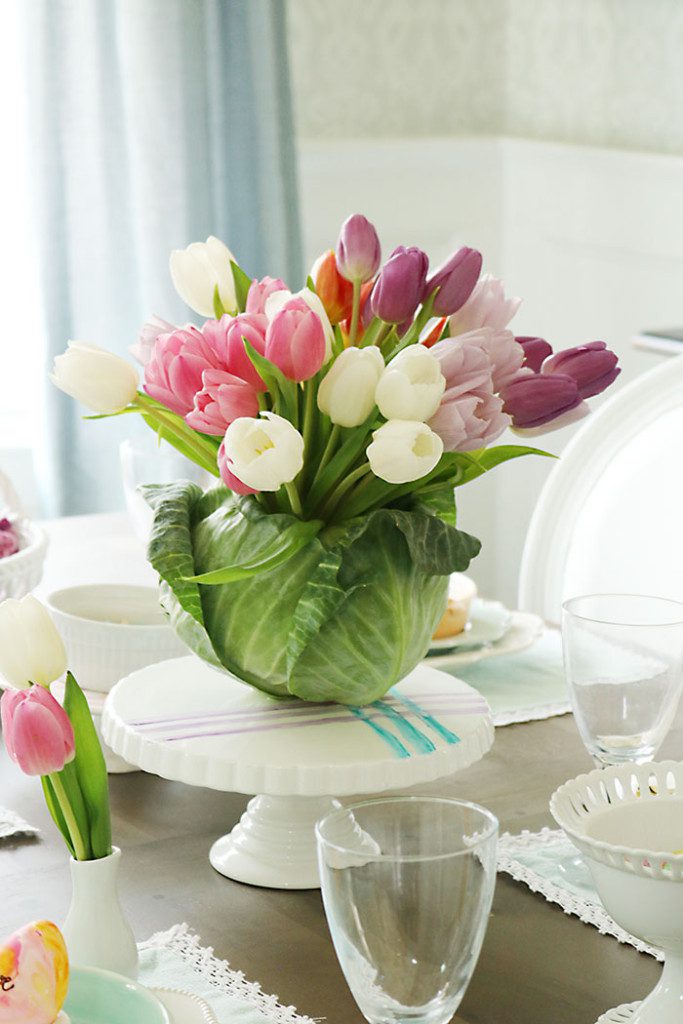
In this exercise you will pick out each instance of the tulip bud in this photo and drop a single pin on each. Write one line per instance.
(400, 286)
(535, 351)
(278, 300)
(358, 249)
(593, 367)
(295, 341)
(226, 337)
(347, 392)
(31, 649)
(263, 453)
(333, 290)
(173, 375)
(38, 734)
(411, 386)
(223, 398)
(259, 291)
(455, 280)
(201, 268)
(100, 380)
(149, 332)
(533, 399)
(403, 450)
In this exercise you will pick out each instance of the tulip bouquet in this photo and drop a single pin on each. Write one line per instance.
(339, 419)
(43, 738)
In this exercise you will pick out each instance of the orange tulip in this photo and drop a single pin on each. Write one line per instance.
(435, 333)
(335, 292)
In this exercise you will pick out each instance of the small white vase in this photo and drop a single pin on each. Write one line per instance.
(96, 932)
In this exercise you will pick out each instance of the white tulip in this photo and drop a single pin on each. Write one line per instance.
(197, 270)
(347, 392)
(411, 386)
(277, 300)
(104, 382)
(264, 453)
(31, 649)
(404, 450)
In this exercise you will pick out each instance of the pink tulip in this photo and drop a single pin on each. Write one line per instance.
(535, 351)
(400, 285)
(38, 734)
(504, 354)
(223, 399)
(470, 415)
(487, 306)
(295, 341)
(149, 332)
(173, 375)
(534, 399)
(455, 280)
(358, 250)
(226, 337)
(259, 292)
(9, 539)
(228, 477)
(593, 367)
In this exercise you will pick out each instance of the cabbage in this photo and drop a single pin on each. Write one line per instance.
(324, 613)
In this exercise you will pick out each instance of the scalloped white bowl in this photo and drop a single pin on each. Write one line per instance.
(22, 572)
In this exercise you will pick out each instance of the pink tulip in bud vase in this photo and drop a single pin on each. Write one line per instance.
(358, 249)
(295, 341)
(226, 337)
(38, 734)
(535, 351)
(455, 280)
(223, 399)
(400, 286)
(534, 399)
(173, 375)
(259, 292)
(592, 366)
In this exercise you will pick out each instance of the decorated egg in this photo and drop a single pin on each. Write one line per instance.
(34, 975)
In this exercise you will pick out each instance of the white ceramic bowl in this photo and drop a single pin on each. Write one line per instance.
(22, 572)
(111, 630)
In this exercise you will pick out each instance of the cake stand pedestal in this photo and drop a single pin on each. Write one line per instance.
(185, 721)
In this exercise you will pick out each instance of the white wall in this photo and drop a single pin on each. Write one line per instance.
(590, 238)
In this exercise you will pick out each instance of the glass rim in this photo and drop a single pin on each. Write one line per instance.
(567, 606)
(492, 828)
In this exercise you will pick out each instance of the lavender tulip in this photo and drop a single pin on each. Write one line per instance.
(535, 351)
(455, 280)
(358, 249)
(593, 367)
(400, 286)
(533, 399)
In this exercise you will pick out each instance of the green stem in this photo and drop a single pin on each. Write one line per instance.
(294, 499)
(357, 494)
(412, 335)
(69, 817)
(329, 450)
(341, 489)
(355, 313)
(309, 415)
(201, 451)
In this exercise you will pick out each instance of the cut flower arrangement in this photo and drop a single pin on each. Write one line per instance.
(339, 419)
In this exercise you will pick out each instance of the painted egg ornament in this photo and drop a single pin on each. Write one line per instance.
(34, 975)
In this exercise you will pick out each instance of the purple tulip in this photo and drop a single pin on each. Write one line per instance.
(535, 351)
(399, 289)
(455, 280)
(358, 249)
(533, 399)
(593, 367)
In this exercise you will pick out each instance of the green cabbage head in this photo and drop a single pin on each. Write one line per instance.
(324, 613)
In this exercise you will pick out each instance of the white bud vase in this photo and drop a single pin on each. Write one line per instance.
(96, 931)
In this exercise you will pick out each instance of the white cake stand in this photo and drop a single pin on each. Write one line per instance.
(185, 721)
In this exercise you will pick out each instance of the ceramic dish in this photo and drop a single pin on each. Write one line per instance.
(524, 629)
(488, 622)
(21, 573)
(185, 1008)
(100, 997)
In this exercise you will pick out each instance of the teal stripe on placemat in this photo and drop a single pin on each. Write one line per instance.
(411, 734)
(519, 682)
(392, 741)
(428, 719)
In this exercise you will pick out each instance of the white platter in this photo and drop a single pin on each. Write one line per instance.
(488, 622)
(525, 628)
(184, 1007)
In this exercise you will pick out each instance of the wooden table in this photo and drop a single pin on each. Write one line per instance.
(538, 966)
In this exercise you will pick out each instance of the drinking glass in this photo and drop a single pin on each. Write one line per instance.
(407, 884)
(623, 659)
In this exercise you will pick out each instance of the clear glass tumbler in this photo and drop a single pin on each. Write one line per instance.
(623, 659)
(407, 884)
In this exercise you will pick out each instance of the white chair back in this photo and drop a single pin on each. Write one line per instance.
(610, 517)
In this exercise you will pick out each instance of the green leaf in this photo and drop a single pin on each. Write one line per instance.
(436, 548)
(199, 448)
(219, 309)
(277, 384)
(56, 813)
(310, 284)
(279, 551)
(242, 285)
(89, 769)
(488, 458)
(439, 499)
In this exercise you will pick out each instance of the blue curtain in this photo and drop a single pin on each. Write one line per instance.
(154, 124)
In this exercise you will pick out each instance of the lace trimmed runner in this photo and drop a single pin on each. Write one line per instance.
(176, 960)
(12, 825)
(549, 864)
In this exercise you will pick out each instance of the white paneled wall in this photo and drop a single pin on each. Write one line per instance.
(592, 239)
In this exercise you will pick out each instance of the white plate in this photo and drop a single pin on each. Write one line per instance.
(185, 1008)
(488, 621)
(525, 628)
